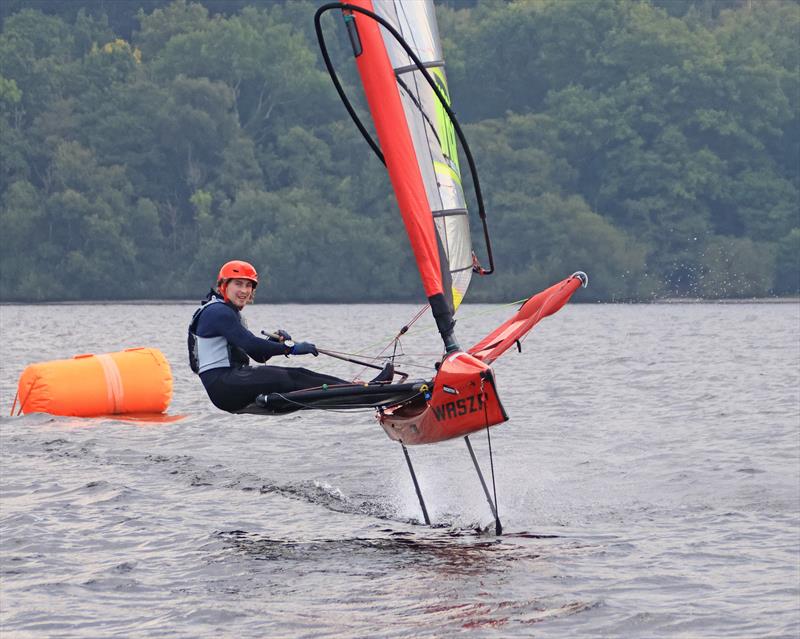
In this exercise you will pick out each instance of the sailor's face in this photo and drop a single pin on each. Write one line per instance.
(240, 292)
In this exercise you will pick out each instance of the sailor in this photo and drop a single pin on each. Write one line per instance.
(221, 346)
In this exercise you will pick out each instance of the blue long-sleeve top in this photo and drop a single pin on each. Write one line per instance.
(224, 320)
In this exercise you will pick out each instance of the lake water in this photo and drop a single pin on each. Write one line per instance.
(648, 483)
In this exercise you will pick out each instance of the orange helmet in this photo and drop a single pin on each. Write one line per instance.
(236, 269)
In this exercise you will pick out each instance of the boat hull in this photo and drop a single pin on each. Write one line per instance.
(463, 399)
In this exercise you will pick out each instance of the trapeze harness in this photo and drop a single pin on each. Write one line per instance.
(220, 348)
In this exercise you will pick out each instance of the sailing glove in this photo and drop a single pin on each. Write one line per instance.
(304, 348)
(282, 334)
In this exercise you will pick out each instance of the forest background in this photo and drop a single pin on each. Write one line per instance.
(654, 144)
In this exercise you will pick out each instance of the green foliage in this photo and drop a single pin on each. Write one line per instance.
(34, 51)
(787, 264)
(176, 19)
(736, 267)
(652, 143)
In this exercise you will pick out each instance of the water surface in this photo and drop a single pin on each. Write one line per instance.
(648, 483)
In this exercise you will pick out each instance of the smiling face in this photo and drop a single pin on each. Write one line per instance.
(239, 292)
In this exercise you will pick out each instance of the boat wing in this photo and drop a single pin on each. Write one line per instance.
(532, 311)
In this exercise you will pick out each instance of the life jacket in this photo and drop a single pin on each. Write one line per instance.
(206, 353)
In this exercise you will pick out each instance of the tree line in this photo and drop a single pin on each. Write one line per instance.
(652, 143)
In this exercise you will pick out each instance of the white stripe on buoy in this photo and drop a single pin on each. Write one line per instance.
(113, 382)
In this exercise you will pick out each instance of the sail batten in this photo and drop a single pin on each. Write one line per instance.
(413, 67)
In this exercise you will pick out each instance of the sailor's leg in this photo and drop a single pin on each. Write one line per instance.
(237, 388)
(416, 485)
(278, 379)
(301, 378)
(497, 526)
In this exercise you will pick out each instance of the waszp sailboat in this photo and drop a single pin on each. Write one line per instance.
(398, 53)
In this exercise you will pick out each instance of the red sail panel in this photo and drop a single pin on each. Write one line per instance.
(536, 308)
(383, 98)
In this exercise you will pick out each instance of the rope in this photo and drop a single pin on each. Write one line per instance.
(419, 314)
(22, 402)
(386, 342)
(498, 529)
(395, 342)
(491, 463)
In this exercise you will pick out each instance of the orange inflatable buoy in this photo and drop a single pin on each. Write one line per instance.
(136, 380)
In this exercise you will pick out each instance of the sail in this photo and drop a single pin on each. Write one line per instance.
(418, 142)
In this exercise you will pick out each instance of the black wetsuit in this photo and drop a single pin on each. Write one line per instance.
(233, 387)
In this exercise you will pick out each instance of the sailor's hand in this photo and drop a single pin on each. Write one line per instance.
(278, 336)
(304, 348)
